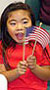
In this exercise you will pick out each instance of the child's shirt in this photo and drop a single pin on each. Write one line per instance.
(28, 81)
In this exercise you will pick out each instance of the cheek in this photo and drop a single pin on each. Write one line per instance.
(10, 29)
(29, 24)
(11, 32)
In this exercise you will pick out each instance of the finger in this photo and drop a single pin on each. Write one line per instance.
(24, 70)
(21, 70)
(31, 58)
(23, 63)
(23, 67)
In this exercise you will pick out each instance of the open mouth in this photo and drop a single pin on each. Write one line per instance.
(19, 36)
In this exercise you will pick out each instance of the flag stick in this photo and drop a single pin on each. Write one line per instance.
(23, 51)
(24, 48)
(36, 41)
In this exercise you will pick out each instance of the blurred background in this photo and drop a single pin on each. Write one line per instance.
(41, 8)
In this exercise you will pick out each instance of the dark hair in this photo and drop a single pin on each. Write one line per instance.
(6, 38)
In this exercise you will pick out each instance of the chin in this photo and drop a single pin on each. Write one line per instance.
(19, 41)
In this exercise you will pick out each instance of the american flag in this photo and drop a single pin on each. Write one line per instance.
(39, 34)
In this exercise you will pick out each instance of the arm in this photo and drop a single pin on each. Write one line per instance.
(42, 72)
(15, 73)
(10, 75)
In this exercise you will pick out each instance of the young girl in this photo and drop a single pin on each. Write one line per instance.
(33, 72)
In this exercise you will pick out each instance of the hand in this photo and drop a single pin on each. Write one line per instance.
(31, 61)
(21, 68)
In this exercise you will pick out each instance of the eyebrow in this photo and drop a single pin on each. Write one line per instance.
(12, 20)
(25, 19)
(16, 20)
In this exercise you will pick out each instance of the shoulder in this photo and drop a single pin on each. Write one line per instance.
(0, 44)
(39, 49)
(48, 49)
(0, 47)
(1, 57)
(0, 41)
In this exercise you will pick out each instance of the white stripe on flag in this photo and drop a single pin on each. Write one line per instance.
(39, 35)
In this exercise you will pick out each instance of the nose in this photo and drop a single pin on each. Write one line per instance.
(19, 26)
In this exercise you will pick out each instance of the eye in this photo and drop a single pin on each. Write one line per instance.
(25, 22)
(13, 23)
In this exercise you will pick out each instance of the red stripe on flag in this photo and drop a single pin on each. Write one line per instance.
(39, 35)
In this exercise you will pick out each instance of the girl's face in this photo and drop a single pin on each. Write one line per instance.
(17, 23)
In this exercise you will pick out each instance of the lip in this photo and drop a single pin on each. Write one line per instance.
(19, 36)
